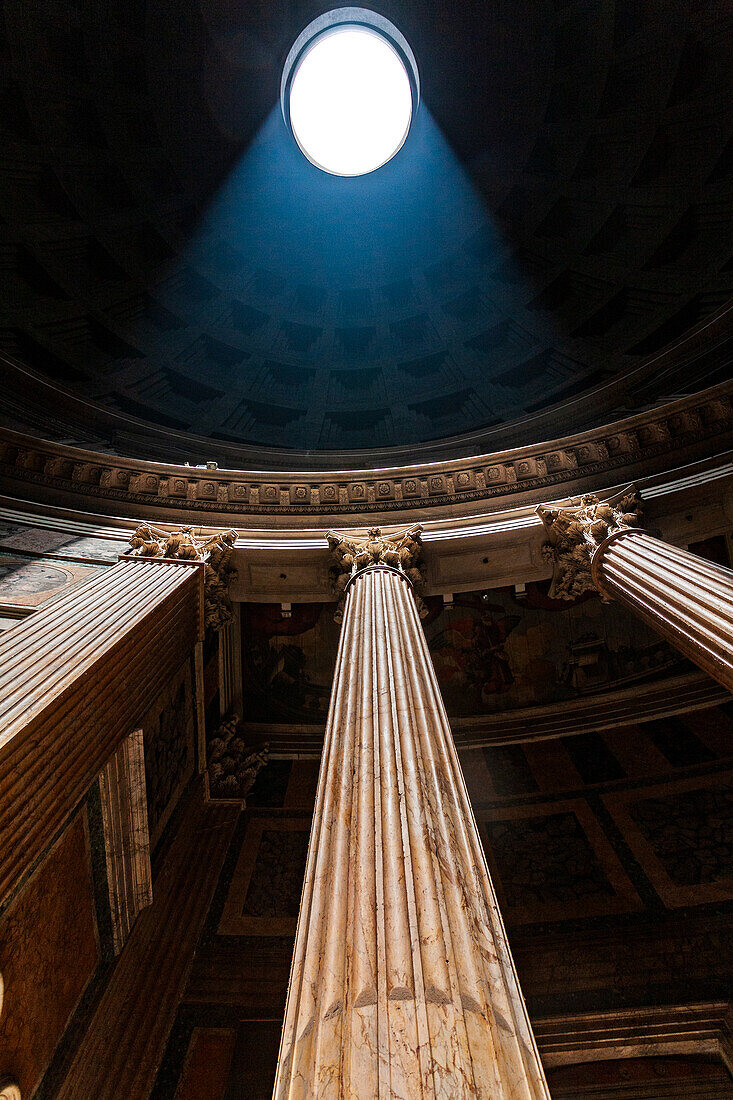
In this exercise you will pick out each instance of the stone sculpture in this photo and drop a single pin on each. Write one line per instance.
(184, 544)
(575, 529)
(233, 765)
(401, 551)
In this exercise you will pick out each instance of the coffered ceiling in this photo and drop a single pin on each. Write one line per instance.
(559, 215)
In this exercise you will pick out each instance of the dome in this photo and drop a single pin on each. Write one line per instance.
(555, 219)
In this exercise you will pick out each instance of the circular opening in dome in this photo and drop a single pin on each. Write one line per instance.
(349, 91)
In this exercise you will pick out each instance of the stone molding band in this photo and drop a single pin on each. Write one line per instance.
(681, 428)
(374, 568)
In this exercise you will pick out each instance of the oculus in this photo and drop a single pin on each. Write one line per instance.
(350, 91)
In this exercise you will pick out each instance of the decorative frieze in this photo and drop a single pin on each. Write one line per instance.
(300, 494)
(575, 529)
(465, 480)
(639, 440)
(561, 460)
(213, 550)
(113, 478)
(500, 475)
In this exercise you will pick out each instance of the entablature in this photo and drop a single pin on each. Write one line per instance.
(639, 446)
(480, 550)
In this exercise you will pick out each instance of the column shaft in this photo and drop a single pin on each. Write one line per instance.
(687, 599)
(402, 982)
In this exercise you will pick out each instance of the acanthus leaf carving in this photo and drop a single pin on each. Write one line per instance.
(184, 544)
(233, 766)
(575, 529)
(352, 553)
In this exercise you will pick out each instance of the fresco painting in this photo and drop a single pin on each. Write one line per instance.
(288, 661)
(60, 544)
(29, 581)
(493, 651)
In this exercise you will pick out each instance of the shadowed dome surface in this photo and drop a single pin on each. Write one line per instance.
(560, 212)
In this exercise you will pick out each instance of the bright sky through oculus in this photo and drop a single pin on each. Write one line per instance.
(350, 101)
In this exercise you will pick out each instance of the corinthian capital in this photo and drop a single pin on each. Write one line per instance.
(213, 550)
(574, 530)
(352, 553)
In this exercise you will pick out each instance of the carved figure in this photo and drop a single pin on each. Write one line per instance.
(575, 530)
(402, 550)
(233, 766)
(213, 550)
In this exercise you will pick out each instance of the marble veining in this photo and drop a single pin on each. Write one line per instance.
(402, 982)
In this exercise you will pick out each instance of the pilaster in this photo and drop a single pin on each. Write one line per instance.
(75, 679)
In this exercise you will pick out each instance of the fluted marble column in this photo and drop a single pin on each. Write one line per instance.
(686, 599)
(402, 982)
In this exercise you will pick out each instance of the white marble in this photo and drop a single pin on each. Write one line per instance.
(687, 599)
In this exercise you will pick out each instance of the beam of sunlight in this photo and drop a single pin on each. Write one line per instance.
(278, 212)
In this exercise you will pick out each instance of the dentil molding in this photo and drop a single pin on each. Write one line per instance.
(625, 450)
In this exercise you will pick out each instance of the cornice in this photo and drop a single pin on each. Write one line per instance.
(36, 399)
(661, 698)
(646, 443)
(478, 549)
(700, 1029)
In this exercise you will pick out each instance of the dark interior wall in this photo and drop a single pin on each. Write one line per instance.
(53, 948)
(56, 954)
(169, 731)
(493, 650)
